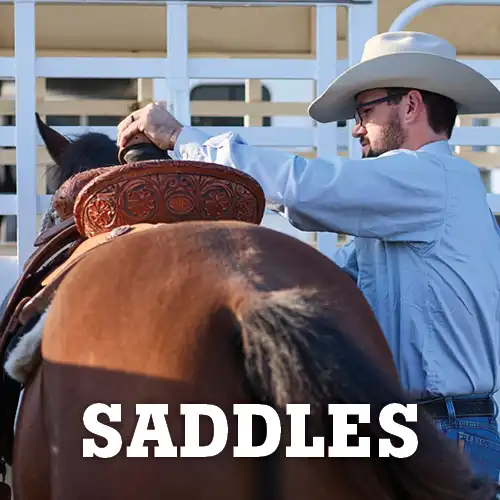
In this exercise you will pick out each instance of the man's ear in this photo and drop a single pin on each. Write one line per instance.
(55, 142)
(414, 106)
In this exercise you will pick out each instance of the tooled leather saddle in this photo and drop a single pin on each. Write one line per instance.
(98, 205)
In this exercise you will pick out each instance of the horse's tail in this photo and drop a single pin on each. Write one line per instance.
(294, 354)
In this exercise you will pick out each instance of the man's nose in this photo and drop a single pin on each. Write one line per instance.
(358, 131)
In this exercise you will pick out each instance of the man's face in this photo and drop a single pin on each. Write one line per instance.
(378, 126)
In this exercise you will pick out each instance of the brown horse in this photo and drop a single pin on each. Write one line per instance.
(217, 313)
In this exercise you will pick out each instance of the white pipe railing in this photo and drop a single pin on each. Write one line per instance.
(173, 73)
(25, 130)
(229, 3)
(419, 6)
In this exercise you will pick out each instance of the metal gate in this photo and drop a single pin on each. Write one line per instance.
(171, 76)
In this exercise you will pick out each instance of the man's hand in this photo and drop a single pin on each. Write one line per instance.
(154, 121)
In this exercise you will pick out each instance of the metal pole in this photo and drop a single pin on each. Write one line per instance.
(326, 71)
(419, 6)
(177, 79)
(273, 3)
(26, 135)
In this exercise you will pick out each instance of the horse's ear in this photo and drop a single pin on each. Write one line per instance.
(54, 141)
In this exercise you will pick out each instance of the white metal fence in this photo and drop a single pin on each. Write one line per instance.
(171, 77)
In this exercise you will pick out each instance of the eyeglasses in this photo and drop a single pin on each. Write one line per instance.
(359, 114)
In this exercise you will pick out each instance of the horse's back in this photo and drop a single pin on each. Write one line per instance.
(149, 317)
(180, 274)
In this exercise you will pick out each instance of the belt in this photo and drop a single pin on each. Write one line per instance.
(464, 407)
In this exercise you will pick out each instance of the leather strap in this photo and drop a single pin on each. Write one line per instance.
(50, 233)
(64, 236)
(42, 261)
(464, 407)
(39, 302)
(20, 312)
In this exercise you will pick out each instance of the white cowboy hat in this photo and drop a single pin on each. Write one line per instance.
(407, 59)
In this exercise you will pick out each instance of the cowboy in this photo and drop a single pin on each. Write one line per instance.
(426, 247)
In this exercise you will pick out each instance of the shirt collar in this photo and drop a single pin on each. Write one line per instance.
(438, 147)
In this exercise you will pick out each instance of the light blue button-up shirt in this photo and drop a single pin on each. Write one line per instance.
(426, 252)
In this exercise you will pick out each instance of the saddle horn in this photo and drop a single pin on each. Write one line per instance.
(140, 148)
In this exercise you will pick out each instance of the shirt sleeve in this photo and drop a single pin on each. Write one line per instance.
(345, 257)
(399, 196)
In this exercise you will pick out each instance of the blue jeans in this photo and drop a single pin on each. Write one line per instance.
(480, 439)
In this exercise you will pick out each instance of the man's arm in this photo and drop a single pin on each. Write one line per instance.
(399, 196)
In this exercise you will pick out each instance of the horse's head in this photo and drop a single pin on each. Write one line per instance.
(88, 151)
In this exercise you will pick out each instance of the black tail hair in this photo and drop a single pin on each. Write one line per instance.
(294, 354)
